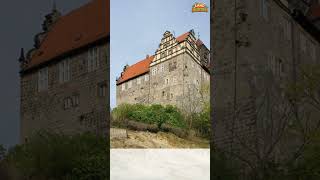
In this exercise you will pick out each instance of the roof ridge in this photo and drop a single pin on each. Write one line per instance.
(142, 60)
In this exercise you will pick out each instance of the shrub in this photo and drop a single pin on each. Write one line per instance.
(202, 123)
(153, 114)
(56, 156)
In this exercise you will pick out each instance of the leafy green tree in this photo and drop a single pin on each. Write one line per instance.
(56, 156)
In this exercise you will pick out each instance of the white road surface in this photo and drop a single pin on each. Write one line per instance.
(160, 164)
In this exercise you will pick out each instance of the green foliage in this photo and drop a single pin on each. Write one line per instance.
(153, 114)
(121, 112)
(202, 121)
(2, 152)
(56, 156)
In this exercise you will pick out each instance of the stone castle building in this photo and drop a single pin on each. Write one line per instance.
(258, 48)
(173, 75)
(64, 78)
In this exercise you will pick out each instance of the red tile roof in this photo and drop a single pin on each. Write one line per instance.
(182, 37)
(135, 70)
(74, 30)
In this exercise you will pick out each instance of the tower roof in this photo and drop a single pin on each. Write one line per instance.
(74, 30)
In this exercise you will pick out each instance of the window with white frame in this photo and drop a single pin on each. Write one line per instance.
(75, 100)
(130, 84)
(146, 77)
(64, 71)
(167, 81)
(162, 68)
(154, 71)
(93, 59)
(123, 87)
(264, 9)
(67, 103)
(138, 80)
(276, 65)
(286, 25)
(43, 79)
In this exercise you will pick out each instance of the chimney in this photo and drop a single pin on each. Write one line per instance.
(147, 56)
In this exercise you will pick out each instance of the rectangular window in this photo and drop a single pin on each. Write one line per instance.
(154, 71)
(162, 68)
(75, 100)
(64, 71)
(129, 84)
(93, 59)
(264, 9)
(67, 103)
(102, 89)
(139, 80)
(146, 77)
(288, 29)
(43, 79)
(271, 60)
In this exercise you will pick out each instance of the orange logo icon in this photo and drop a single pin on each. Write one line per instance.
(199, 7)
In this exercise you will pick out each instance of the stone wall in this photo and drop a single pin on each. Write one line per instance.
(253, 53)
(46, 109)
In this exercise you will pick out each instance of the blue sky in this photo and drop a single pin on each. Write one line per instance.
(137, 28)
